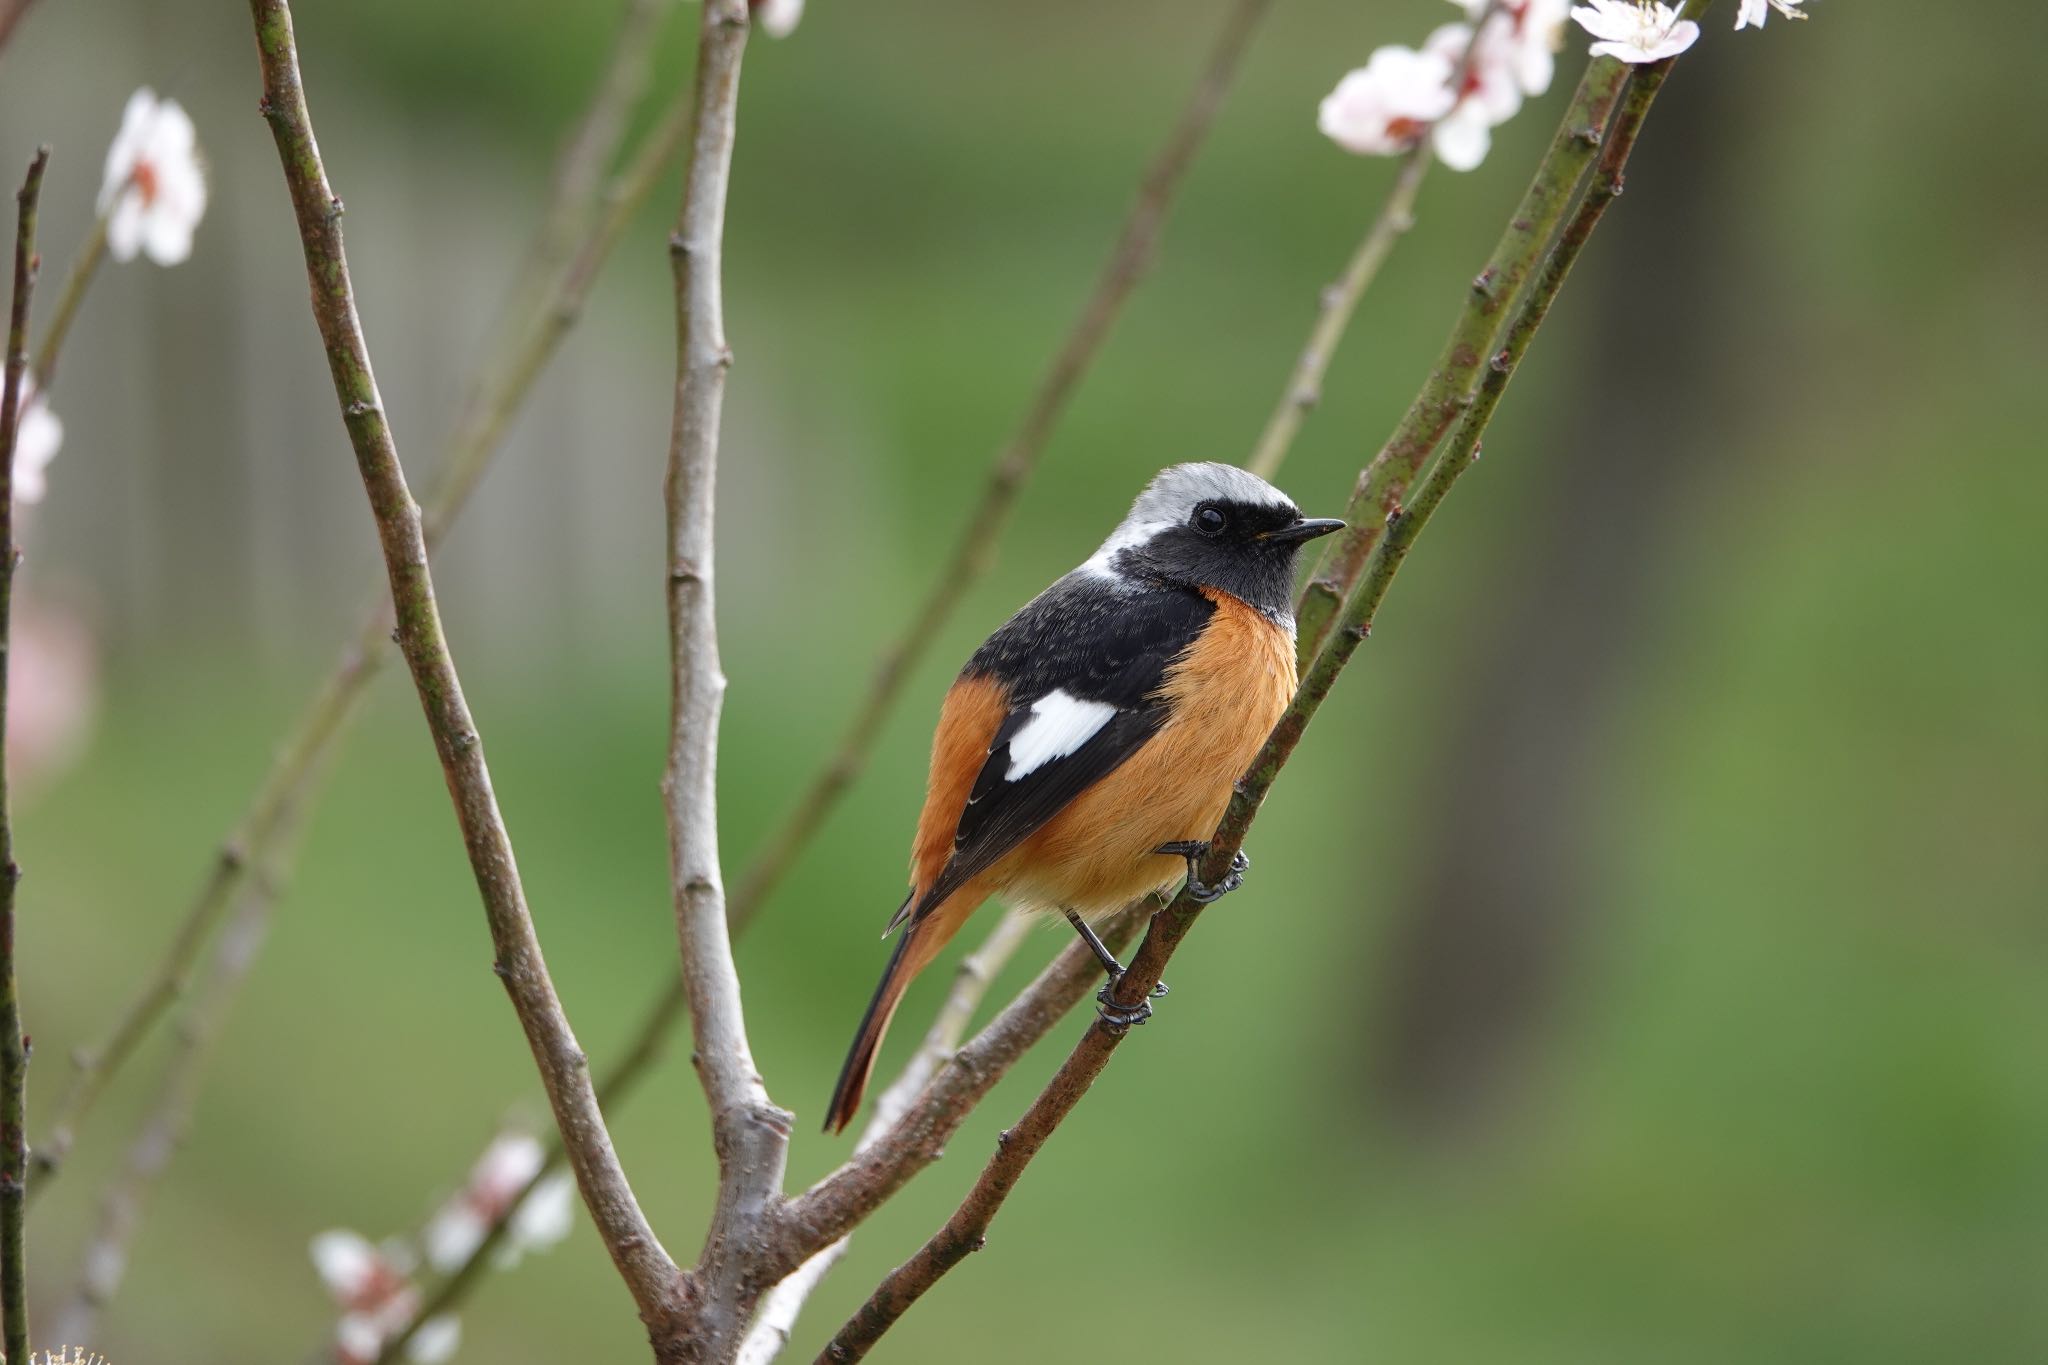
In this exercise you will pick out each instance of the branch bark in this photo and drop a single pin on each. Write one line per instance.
(749, 1132)
(495, 394)
(1447, 392)
(649, 1273)
(13, 1045)
(965, 1232)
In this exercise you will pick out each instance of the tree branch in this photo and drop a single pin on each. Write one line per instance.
(966, 1230)
(13, 1045)
(750, 1134)
(496, 393)
(1304, 388)
(646, 1268)
(971, 981)
(1448, 390)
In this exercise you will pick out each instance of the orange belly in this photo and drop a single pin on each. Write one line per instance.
(1226, 694)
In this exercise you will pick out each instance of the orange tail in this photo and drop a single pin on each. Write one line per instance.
(920, 943)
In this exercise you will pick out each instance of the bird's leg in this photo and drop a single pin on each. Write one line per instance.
(1199, 891)
(1118, 1017)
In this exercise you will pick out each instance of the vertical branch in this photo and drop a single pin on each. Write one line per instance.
(643, 1264)
(13, 1046)
(750, 1133)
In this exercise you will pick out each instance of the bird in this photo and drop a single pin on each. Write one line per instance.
(1089, 747)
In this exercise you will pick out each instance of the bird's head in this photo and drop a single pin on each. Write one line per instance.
(1213, 526)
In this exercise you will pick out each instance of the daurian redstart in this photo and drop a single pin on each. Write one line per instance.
(1091, 743)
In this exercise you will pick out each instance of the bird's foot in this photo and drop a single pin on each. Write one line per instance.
(1118, 1017)
(1199, 891)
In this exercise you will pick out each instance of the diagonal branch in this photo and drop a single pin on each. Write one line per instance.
(646, 1268)
(1447, 392)
(13, 1045)
(971, 980)
(966, 1230)
(495, 395)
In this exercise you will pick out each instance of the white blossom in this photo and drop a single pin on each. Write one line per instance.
(1537, 27)
(459, 1226)
(1636, 33)
(1388, 104)
(435, 1341)
(777, 18)
(1756, 11)
(38, 435)
(1488, 96)
(154, 191)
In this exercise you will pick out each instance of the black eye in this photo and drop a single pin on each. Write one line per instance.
(1209, 520)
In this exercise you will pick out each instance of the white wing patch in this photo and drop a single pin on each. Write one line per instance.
(1059, 724)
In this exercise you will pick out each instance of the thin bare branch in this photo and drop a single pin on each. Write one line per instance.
(971, 981)
(649, 1273)
(1304, 388)
(965, 1232)
(69, 296)
(495, 396)
(749, 1133)
(13, 1045)
(1447, 392)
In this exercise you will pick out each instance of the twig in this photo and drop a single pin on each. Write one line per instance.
(965, 1231)
(1304, 388)
(649, 1273)
(105, 1260)
(971, 981)
(83, 269)
(1305, 385)
(1010, 470)
(495, 396)
(749, 1133)
(1448, 391)
(14, 1047)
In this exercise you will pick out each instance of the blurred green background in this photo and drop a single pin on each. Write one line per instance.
(1645, 956)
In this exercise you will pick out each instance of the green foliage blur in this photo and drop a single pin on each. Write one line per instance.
(1767, 1079)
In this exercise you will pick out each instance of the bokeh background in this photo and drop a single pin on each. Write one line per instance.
(1645, 958)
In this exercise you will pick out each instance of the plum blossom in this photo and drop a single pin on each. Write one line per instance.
(374, 1289)
(38, 435)
(1488, 96)
(459, 1226)
(1387, 105)
(1536, 28)
(777, 18)
(1636, 33)
(153, 193)
(1756, 11)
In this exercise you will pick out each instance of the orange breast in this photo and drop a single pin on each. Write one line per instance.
(1226, 693)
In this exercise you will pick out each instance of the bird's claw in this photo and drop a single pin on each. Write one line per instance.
(1199, 891)
(1118, 1017)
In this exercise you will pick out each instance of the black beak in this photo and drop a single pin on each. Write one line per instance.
(1308, 528)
